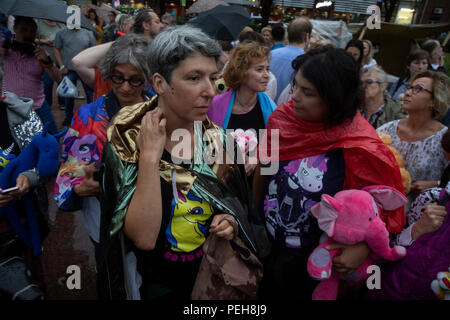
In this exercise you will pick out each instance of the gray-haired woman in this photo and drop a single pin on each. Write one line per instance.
(155, 196)
(75, 187)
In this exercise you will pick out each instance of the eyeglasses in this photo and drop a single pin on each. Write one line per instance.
(134, 82)
(369, 82)
(417, 88)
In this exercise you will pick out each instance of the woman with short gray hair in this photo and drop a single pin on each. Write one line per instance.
(176, 44)
(75, 187)
(378, 107)
(130, 49)
(154, 194)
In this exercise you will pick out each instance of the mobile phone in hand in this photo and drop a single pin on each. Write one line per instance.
(9, 190)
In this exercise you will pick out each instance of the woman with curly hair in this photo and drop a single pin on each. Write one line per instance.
(245, 106)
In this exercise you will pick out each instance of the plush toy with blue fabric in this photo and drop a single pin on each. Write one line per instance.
(41, 153)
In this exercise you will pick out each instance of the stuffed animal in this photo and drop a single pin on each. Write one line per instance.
(441, 285)
(406, 177)
(350, 217)
(41, 153)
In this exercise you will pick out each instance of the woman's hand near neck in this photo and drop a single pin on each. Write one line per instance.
(245, 100)
(172, 124)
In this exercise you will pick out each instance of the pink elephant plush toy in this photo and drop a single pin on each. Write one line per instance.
(350, 217)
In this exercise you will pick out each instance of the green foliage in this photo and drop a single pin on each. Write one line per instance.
(288, 18)
(255, 26)
(126, 9)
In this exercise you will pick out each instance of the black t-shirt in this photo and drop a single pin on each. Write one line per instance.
(246, 127)
(297, 186)
(170, 269)
(250, 120)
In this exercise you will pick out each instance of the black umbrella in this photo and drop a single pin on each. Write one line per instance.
(222, 22)
(53, 10)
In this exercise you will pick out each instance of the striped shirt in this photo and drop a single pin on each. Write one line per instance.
(23, 76)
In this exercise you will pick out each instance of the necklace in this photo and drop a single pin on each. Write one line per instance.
(246, 107)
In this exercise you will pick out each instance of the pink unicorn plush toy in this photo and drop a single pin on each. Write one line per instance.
(350, 217)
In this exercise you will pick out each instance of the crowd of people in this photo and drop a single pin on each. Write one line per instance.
(154, 206)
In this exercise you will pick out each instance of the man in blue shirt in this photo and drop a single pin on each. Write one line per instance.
(278, 36)
(299, 33)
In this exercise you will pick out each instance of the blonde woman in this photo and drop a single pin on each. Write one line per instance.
(418, 137)
(368, 60)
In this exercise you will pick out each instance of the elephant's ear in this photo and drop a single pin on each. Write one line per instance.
(326, 212)
(386, 197)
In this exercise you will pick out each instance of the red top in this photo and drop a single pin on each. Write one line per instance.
(368, 161)
(101, 86)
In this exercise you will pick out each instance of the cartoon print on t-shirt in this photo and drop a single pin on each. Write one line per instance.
(6, 156)
(295, 184)
(188, 227)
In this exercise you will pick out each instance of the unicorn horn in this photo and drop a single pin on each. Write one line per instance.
(8, 151)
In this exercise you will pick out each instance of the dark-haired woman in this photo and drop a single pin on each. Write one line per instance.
(325, 146)
(96, 23)
(356, 48)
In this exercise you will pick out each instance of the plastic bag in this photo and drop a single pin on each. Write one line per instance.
(67, 89)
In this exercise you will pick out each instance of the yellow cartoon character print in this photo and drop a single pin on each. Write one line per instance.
(188, 226)
(6, 156)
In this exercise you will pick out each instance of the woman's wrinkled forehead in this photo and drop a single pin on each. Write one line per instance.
(194, 62)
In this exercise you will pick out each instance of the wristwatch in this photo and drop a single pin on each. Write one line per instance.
(62, 67)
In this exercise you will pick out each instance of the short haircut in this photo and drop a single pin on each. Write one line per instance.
(298, 29)
(335, 75)
(141, 17)
(242, 56)
(131, 48)
(176, 43)
(123, 21)
(416, 54)
(430, 45)
(445, 141)
(355, 43)
(441, 91)
(380, 73)
(278, 32)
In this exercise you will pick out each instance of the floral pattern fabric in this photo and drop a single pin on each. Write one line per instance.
(424, 159)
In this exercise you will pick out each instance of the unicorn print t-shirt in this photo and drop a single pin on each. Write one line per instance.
(296, 187)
